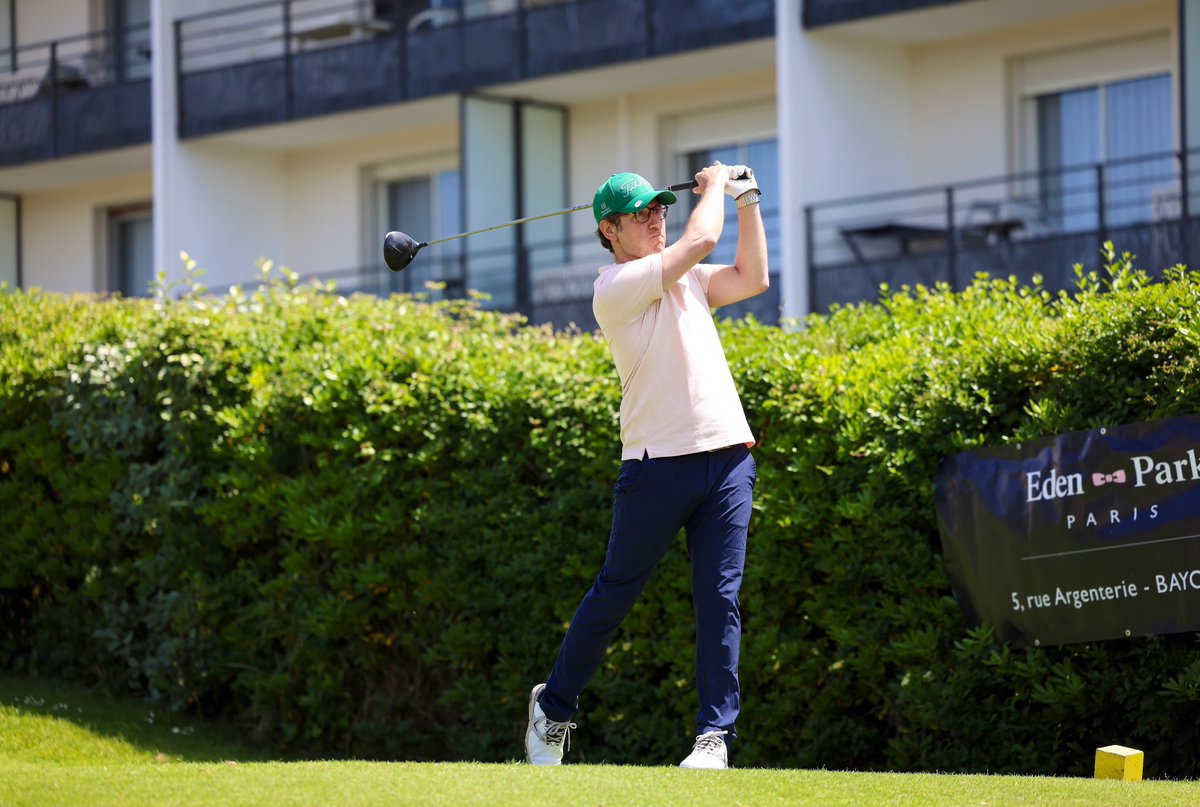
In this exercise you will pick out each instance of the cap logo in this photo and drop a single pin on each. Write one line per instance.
(632, 184)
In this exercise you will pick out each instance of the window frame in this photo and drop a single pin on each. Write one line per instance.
(114, 216)
(1096, 64)
(376, 182)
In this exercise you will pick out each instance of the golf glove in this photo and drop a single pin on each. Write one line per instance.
(736, 186)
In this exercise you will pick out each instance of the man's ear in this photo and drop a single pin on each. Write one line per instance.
(609, 229)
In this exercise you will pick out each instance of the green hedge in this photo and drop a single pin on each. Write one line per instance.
(359, 526)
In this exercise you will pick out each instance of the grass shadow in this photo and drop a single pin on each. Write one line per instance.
(67, 722)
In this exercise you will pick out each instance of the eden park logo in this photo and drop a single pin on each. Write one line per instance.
(1115, 478)
(1146, 470)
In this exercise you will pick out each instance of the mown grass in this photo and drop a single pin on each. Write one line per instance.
(48, 722)
(61, 745)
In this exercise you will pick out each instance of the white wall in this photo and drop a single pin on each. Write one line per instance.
(226, 207)
(41, 21)
(10, 211)
(946, 105)
(864, 112)
(6, 30)
(223, 204)
(845, 108)
(330, 222)
(853, 101)
(63, 232)
(793, 240)
(192, 8)
(963, 116)
(307, 209)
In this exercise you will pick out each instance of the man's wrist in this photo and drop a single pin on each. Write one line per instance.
(748, 198)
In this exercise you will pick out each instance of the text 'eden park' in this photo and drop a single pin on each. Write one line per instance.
(1039, 487)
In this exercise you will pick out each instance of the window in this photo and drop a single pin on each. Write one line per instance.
(1123, 123)
(130, 24)
(517, 151)
(763, 157)
(1104, 104)
(426, 207)
(131, 250)
(737, 134)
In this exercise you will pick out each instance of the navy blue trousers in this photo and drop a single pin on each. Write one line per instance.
(708, 495)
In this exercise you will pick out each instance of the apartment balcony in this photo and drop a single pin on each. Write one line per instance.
(1022, 225)
(75, 96)
(279, 61)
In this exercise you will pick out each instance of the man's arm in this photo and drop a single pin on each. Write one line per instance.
(747, 277)
(703, 228)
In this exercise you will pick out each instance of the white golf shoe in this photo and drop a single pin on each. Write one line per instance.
(544, 738)
(708, 752)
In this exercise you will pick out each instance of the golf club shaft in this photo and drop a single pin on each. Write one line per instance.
(508, 224)
(682, 186)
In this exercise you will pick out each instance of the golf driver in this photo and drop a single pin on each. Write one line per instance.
(399, 248)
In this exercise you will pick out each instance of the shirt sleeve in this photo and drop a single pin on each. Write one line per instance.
(704, 273)
(624, 291)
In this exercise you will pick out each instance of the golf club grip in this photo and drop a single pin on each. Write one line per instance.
(687, 186)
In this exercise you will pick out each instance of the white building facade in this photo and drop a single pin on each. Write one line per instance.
(902, 141)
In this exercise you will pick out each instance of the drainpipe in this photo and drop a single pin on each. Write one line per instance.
(808, 258)
(951, 239)
(54, 99)
(287, 60)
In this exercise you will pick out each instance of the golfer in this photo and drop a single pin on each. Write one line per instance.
(685, 454)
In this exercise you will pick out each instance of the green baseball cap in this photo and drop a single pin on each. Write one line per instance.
(626, 193)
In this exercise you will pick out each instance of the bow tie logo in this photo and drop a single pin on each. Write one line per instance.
(1116, 478)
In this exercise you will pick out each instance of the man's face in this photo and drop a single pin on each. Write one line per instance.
(636, 235)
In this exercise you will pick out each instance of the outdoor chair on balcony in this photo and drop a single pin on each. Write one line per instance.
(63, 77)
(432, 17)
(1031, 214)
(988, 223)
(1167, 208)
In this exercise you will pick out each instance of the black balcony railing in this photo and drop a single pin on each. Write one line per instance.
(830, 12)
(74, 96)
(1038, 223)
(289, 59)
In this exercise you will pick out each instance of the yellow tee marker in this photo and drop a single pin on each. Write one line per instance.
(1119, 762)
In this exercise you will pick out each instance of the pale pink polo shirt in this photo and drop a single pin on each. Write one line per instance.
(677, 394)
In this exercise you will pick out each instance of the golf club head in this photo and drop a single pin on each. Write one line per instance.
(399, 250)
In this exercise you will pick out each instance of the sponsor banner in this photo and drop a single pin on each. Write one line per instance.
(1082, 537)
